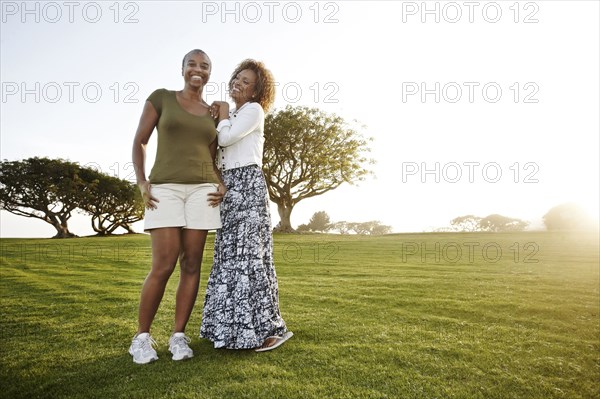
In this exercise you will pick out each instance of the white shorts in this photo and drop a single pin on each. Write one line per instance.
(183, 205)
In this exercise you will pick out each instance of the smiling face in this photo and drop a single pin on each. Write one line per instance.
(242, 87)
(196, 69)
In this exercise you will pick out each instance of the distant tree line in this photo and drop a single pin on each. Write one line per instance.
(320, 222)
(567, 216)
(491, 223)
(52, 190)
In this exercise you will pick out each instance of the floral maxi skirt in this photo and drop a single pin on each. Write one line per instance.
(241, 307)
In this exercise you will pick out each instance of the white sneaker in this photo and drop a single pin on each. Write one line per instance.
(142, 349)
(178, 345)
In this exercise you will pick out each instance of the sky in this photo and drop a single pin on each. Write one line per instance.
(474, 107)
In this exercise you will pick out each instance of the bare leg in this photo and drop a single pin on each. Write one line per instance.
(192, 248)
(165, 249)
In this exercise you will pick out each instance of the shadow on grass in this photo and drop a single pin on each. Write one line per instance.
(118, 377)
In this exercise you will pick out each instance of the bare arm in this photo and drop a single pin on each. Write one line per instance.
(216, 198)
(146, 126)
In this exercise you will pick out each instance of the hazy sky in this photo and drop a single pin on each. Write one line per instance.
(475, 107)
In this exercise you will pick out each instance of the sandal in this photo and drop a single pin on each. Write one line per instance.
(278, 342)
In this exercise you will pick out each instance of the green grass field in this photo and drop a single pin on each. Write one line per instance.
(399, 316)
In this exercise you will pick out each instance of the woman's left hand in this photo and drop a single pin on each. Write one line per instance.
(216, 198)
(219, 110)
(213, 109)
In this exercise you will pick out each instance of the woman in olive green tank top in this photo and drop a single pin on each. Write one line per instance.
(179, 212)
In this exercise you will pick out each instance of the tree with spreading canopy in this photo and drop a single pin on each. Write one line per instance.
(308, 153)
(42, 188)
(498, 223)
(342, 227)
(52, 189)
(111, 202)
(466, 223)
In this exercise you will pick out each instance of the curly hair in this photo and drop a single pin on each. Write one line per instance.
(265, 83)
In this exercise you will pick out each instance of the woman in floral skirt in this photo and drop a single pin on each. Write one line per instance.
(241, 308)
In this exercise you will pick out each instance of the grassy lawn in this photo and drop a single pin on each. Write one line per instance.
(399, 316)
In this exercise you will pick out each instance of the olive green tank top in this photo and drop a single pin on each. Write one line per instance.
(182, 154)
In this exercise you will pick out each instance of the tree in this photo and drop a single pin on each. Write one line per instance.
(567, 216)
(342, 227)
(42, 188)
(466, 223)
(497, 223)
(380, 229)
(319, 222)
(111, 202)
(308, 153)
(373, 227)
(134, 210)
(303, 228)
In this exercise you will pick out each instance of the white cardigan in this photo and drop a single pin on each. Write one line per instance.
(241, 137)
